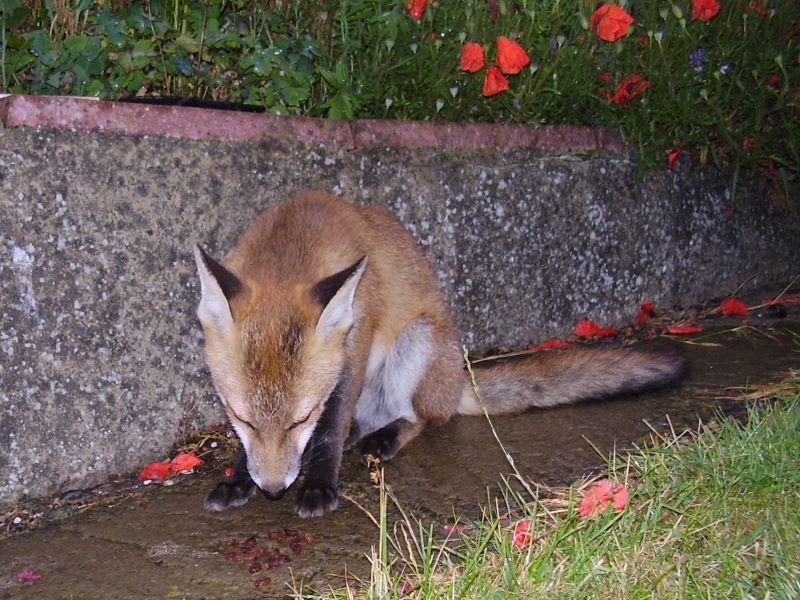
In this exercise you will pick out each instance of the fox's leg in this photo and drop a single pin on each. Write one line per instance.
(236, 490)
(423, 374)
(317, 494)
(385, 442)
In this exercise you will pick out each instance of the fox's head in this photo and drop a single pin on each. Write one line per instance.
(275, 356)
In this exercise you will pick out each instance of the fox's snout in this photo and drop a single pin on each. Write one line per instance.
(273, 495)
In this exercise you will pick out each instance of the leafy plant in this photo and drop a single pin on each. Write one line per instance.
(723, 87)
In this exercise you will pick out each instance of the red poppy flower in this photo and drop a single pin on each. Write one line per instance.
(600, 494)
(731, 306)
(155, 470)
(672, 157)
(416, 8)
(610, 22)
(774, 82)
(682, 329)
(184, 461)
(471, 57)
(703, 10)
(510, 56)
(494, 82)
(630, 87)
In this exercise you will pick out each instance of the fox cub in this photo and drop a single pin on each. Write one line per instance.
(324, 326)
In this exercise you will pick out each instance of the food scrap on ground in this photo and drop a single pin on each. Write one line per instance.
(258, 558)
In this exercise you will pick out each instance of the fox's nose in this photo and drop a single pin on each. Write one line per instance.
(273, 495)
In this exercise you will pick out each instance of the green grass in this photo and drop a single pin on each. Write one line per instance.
(725, 91)
(712, 514)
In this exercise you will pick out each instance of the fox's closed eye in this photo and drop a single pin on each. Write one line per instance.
(299, 422)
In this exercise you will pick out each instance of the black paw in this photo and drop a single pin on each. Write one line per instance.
(314, 499)
(381, 444)
(227, 495)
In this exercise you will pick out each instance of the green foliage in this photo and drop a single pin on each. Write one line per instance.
(725, 90)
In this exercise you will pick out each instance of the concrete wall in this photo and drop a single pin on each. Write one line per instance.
(100, 354)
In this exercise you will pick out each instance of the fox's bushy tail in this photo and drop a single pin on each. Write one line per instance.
(565, 377)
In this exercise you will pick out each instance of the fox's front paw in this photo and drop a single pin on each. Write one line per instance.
(316, 498)
(228, 494)
(381, 444)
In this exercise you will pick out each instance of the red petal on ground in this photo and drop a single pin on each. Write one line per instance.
(645, 314)
(600, 494)
(732, 306)
(682, 329)
(521, 536)
(619, 499)
(28, 575)
(606, 331)
(589, 328)
(586, 328)
(548, 344)
(184, 461)
(155, 470)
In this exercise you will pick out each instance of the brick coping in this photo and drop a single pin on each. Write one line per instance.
(89, 114)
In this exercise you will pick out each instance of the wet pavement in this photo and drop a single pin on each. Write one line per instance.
(160, 543)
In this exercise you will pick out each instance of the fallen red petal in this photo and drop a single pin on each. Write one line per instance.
(589, 328)
(586, 328)
(732, 306)
(521, 536)
(184, 461)
(682, 329)
(606, 331)
(619, 500)
(28, 575)
(548, 344)
(600, 494)
(155, 470)
(645, 314)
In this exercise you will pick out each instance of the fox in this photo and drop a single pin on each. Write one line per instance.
(324, 326)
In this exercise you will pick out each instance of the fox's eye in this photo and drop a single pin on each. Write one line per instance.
(300, 422)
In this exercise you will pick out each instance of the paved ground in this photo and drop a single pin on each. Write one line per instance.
(160, 543)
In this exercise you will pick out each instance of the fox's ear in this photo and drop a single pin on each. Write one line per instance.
(336, 293)
(217, 286)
